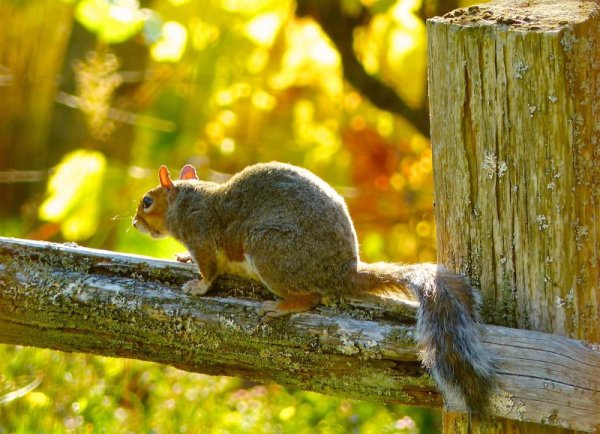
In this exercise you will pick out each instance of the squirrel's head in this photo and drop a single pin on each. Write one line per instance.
(151, 214)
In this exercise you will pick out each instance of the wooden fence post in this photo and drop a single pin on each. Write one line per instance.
(514, 94)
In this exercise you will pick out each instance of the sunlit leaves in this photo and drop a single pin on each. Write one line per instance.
(256, 83)
(113, 21)
(406, 51)
(244, 6)
(392, 46)
(372, 245)
(263, 28)
(202, 33)
(171, 44)
(263, 100)
(73, 194)
(319, 139)
(38, 399)
(310, 59)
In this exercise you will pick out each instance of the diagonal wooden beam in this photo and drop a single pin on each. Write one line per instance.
(72, 298)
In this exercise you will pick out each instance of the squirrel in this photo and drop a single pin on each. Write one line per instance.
(287, 228)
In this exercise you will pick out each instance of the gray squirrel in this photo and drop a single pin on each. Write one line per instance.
(290, 230)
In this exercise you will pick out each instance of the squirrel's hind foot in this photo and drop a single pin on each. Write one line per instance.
(291, 304)
(196, 287)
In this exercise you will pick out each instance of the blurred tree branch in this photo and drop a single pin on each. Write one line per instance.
(340, 26)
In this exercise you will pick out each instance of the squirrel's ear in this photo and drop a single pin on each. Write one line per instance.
(165, 179)
(188, 172)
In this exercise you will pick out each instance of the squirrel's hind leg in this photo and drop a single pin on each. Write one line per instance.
(290, 266)
(290, 304)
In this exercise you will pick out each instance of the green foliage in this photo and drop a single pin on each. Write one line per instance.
(82, 393)
(73, 194)
(170, 46)
(112, 21)
(220, 84)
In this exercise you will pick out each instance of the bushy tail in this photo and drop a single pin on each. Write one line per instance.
(446, 325)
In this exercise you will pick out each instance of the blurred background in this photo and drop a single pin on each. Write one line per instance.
(96, 94)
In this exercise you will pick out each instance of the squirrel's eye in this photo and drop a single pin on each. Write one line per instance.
(147, 201)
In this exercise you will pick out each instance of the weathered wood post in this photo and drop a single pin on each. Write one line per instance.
(515, 124)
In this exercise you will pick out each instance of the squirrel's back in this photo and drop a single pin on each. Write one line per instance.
(290, 225)
(278, 191)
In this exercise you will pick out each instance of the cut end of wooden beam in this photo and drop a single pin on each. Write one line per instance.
(537, 15)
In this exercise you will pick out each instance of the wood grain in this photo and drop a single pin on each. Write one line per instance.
(76, 299)
(514, 97)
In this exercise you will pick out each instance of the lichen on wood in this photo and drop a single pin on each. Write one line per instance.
(76, 299)
(515, 102)
(514, 90)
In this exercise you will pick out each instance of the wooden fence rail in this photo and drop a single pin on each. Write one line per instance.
(71, 298)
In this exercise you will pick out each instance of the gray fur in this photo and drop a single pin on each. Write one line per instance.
(296, 235)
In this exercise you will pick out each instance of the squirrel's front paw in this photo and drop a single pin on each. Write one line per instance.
(196, 287)
(184, 257)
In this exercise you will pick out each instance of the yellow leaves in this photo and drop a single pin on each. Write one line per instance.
(202, 33)
(73, 193)
(397, 181)
(171, 44)
(112, 21)
(37, 399)
(227, 146)
(309, 59)
(257, 60)
(424, 229)
(287, 413)
(406, 51)
(321, 139)
(393, 46)
(232, 419)
(263, 29)
(263, 100)
(372, 245)
(244, 6)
